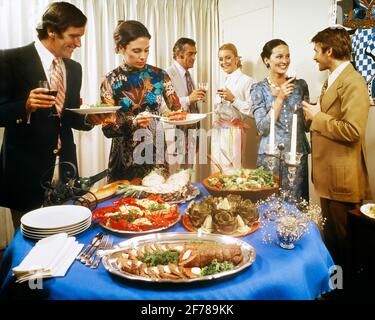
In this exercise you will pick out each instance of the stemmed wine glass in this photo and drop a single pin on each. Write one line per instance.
(52, 91)
(203, 86)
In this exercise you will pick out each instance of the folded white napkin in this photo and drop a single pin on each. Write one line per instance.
(50, 257)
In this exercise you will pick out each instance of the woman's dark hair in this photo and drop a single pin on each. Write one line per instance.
(269, 46)
(58, 17)
(128, 31)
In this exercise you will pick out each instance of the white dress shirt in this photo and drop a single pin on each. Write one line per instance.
(333, 75)
(239, 84)
(47, 59)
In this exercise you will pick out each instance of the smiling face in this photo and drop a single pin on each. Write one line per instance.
(228, 61)
(136, 52)
(322, 59)
(62, 46)
(279, 60)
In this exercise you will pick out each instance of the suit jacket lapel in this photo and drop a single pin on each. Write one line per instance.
(31, 66)
(181, 83)
(331, 94)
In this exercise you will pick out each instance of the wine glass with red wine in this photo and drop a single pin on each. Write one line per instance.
(52, 91)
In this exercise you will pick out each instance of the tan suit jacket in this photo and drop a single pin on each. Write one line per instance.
(339, 168)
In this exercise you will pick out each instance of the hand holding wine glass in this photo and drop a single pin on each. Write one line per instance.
(203, 86)
(40, 98)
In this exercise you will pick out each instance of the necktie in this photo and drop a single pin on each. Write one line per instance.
(57, 82)
(324, 89)
(190, 87)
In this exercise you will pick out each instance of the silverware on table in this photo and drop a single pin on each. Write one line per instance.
(96, 238)
(90, 259)
(94, 246)
(105, 246)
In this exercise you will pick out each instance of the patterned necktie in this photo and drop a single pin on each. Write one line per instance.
(190, 87)
(57, 82)
(324, 89)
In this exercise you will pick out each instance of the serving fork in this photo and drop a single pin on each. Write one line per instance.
(102, 243)
(105, 246)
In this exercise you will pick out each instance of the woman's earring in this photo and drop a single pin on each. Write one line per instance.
(267, 65)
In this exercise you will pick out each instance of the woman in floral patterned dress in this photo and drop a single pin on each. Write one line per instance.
(284, 94)
(139, 89)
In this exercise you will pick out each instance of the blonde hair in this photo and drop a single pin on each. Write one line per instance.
(231, 47)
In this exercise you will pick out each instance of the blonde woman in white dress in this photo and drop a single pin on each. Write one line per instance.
(232, 107)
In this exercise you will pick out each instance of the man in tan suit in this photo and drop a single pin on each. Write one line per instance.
(338, 126)
(184, 55)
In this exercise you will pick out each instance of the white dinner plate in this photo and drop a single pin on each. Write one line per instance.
(41, 236)
(55, 217)
(96, 110)
(191, 118)
(366, 210)
(59, 230)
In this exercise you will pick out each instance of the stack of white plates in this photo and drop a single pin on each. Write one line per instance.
(44, 222)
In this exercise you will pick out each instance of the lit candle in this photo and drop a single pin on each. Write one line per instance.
(272, 131)
(293, 143)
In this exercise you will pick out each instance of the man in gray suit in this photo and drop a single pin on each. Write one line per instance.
(184, 55)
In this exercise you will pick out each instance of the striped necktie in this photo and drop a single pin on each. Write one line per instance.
(57, 82)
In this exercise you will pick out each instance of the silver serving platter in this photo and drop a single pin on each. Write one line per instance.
(249, 254)
(120, 232)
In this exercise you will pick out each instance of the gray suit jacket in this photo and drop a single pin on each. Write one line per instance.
(180, 86)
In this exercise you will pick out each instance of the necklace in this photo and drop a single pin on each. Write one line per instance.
(272, 85)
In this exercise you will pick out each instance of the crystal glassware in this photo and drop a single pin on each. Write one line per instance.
(289, 229)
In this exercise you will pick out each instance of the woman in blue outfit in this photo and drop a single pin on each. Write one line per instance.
(283, 94)
(139, 89)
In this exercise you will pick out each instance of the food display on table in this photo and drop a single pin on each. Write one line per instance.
(179, 257)
(176, 188)
(253, 184)
(231, 215)
(130, 215)
(107, 191)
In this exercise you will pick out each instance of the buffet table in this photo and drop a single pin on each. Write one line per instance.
(301, 273)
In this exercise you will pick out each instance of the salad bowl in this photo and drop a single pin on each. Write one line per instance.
(248, 183)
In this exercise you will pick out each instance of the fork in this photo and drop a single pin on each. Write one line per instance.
(102, 243)
(106, 246)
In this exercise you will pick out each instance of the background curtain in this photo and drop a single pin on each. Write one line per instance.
(166, 20)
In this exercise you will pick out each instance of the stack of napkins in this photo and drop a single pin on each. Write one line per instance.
(50, 257)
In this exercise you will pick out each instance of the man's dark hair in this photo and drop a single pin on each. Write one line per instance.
(179, 46)
(59, 17)
(336, 38)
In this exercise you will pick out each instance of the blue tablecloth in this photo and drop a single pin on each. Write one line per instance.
(301, 273)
